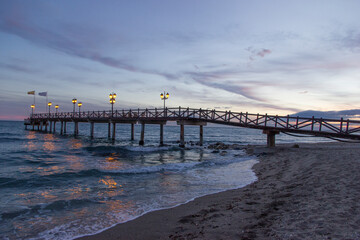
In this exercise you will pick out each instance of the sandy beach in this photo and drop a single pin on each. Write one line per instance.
(306, 192)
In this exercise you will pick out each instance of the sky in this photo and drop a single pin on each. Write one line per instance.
(261, 56)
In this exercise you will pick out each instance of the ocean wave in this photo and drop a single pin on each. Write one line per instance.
(53, 206)
(10, 139)
(109, 150)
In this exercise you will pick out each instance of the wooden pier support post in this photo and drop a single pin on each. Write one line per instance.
(54, 127)
(142, 135)
(161, 134)
(201, 135)
(64, 127)
(113, 131)
(33, 127)
(92, 130)
(270, 137)
(61, 127)
(109, 127)
(46, 124)
(132, 131)
(50, 126)
(182, 123)
(182, 136)
(76, 128)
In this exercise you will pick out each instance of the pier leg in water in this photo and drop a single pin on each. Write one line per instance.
(161, 134)
(182, 136)
(109, 126)
(201, 135)
(113, 132)
(132, 132)
(75, 128)
(270, 137)
(46, 124)
(61, 127)
(142, 136)
(54, 126)
(92, 130)
(50, 125)
(64, 127)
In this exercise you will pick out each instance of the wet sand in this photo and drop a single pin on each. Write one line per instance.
(310, 192)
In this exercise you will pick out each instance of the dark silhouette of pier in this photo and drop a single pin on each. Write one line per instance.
(269, 124)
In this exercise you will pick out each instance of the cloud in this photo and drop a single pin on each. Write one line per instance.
(69, 44)
(215, 79)
(349, 39)
(17, 68)
(257, 53)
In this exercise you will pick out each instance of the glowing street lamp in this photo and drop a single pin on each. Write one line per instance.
(32, 109)
(74, 102)
(79, 104)
(164, 96)
(49, 104)
(112, 97)
(56, 108)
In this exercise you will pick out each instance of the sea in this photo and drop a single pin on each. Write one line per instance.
(56, 186)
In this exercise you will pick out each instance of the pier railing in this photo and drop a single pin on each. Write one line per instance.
(342, 128)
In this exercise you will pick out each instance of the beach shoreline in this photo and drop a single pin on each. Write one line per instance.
(304, 191)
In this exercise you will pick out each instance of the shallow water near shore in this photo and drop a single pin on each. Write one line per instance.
(61, 187)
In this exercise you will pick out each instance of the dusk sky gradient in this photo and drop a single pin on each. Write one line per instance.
(275, 57)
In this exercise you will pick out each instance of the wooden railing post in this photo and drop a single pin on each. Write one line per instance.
(347, 127)
(320, 125)
(312, 124)
(297, 122)
(287, 121)
(341, 125)
(266, 119)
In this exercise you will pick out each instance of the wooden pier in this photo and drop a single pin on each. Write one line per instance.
(270, 124)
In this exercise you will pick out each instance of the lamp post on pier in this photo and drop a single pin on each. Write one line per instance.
(56, 109)
(79, 104)
(74, 102)
(164, 96)
(49, 104)
(112, 97)
(32, 109)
